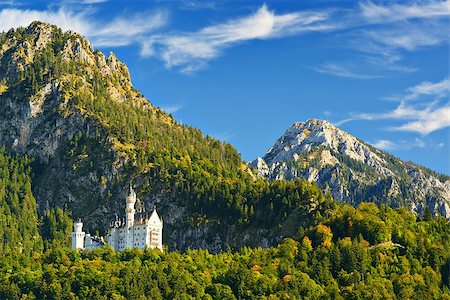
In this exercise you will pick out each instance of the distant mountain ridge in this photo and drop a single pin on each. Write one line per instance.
(351, 170)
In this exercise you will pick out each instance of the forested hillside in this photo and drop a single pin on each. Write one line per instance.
(347, 253)
(339, 252)
(18, 210)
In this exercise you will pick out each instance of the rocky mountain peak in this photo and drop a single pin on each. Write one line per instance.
(21, 47)
(42, 33)
(44, 74)
(352, 170)
(306, 137)
(315, 131)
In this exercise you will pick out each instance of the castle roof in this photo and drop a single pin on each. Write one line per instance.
(131, 198)
(154, 218)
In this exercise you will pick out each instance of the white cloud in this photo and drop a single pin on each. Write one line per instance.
(343, 70)
(401, 112)
(384, 145)
(429, 122)
(224, 136)
(403, 144)
(429, 114)
(197, 5)
(120, 31)
(408, 36)
(7, 2)
(438, 89)
(64, 18)
(173, 108)
(191, 51)
(123, 31)
(382, 34)
(399, 12)
(93, 1)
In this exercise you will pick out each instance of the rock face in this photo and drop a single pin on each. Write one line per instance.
(352, 170)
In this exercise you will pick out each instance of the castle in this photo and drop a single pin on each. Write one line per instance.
(137, 230)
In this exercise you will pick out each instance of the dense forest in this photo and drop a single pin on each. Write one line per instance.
(18, 216)
(367, 252)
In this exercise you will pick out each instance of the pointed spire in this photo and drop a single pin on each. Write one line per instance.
(131, 198)
(131, 188)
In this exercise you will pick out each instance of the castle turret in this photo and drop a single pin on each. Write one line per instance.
(78, 235)
(130, 211)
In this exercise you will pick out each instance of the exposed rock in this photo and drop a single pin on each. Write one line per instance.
(352, 170)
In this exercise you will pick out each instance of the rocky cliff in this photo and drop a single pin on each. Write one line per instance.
(351, 170)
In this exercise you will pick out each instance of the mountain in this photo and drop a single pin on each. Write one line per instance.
(90, 134)
(352, 170)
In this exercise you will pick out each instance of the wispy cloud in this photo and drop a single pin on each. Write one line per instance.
(381, 34)
(172, 108)
(64, 18)
(93, 1)
(192, 50)
(436, 89)
(7, 2)
(409, 36)
(402, 144)
(429, 122)
(379, 13)
(429, 112)
(347, 70)
(378, 33)
(120, 31)
(384, 145)
(123, 31)
(197, 5)
(224, 136)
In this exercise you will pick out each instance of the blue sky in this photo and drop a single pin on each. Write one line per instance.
(243, 71)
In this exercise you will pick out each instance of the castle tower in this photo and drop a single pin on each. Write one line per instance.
(78, 235)
(130, 211)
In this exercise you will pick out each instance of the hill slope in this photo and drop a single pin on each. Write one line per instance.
(352, 170)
